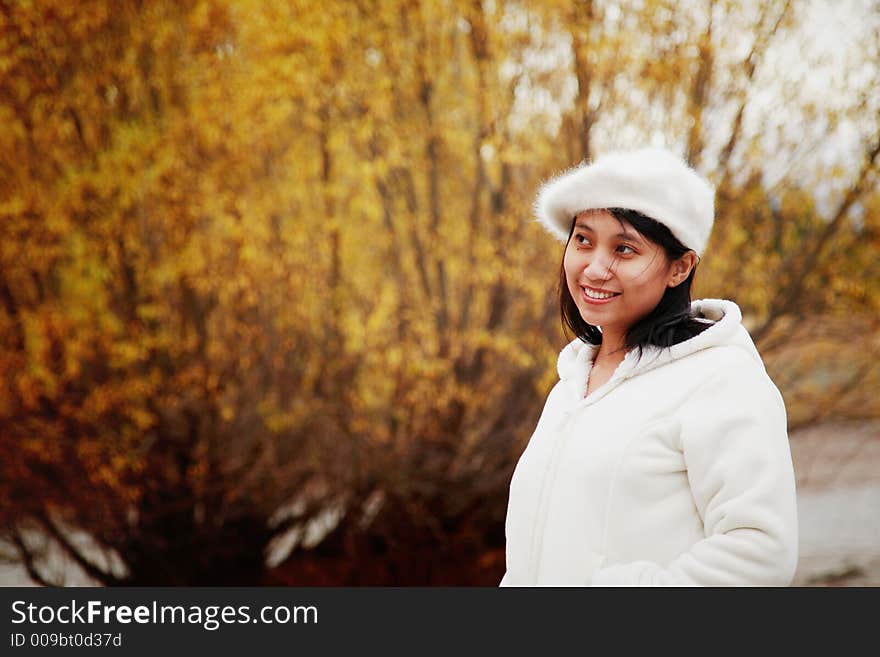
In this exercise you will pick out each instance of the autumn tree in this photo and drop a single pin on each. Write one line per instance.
(271, 303)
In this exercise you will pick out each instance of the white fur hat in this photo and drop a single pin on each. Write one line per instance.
(652, 181)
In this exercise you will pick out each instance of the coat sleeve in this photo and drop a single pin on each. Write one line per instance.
(525, 486)
(734, 440)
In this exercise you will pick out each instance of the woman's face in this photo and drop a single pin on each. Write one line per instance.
(605, 255)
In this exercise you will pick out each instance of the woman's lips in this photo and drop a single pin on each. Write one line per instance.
(597, 302)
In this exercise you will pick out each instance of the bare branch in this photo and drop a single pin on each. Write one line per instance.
(700, 90)
(29, 560)
(91, 569)
(432, 156)
(750, 64)
(787, 299)
(581, 20)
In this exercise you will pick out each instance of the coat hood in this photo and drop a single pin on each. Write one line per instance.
(576, 358)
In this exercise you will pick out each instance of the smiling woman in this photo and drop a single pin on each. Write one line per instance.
(616, 279)
(661, 456)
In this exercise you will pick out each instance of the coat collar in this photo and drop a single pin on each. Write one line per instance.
(576, 358)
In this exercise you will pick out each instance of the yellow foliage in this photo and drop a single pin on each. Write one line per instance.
(262, 237)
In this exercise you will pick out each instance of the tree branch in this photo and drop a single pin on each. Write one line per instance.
(700, 91)
(91, 569)
(788, 298)
(28, 560)
(582, 18)
(750, 64)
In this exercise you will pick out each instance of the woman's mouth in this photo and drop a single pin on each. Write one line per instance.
(591, 296)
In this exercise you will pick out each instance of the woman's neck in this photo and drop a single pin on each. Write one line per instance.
(613, 347)
(606, 356)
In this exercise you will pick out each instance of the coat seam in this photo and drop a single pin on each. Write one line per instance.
(609, 496)
(537, 543)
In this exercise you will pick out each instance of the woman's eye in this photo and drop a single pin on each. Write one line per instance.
(626, 246)
(581, 239)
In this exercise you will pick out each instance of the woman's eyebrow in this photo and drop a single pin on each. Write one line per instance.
(624, 235)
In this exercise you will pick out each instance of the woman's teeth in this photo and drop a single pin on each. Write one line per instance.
(598, 295)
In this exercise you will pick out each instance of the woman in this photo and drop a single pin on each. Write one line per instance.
(661, 456)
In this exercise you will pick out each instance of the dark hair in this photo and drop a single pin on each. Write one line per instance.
(670, 322)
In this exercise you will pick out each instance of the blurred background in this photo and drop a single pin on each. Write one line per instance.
(273, 306)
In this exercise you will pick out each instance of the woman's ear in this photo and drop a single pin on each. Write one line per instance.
(681, 269)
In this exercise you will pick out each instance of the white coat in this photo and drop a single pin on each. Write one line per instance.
(676, 471)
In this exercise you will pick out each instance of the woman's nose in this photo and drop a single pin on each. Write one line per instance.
(598, 268)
